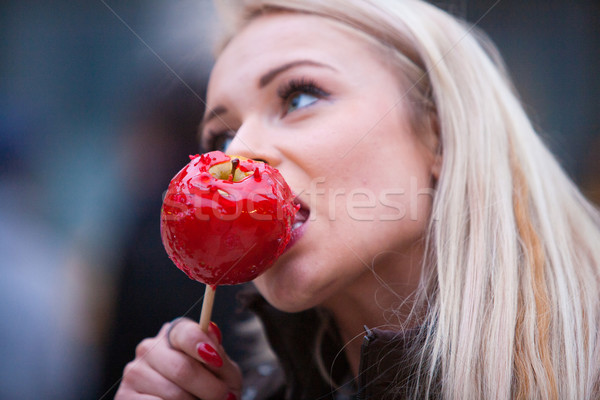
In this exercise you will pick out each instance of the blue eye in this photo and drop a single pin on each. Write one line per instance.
(297, 94)
(299, 100)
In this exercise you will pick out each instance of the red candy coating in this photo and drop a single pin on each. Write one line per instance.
(222, 228)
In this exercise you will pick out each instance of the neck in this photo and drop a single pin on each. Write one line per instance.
(378, 299)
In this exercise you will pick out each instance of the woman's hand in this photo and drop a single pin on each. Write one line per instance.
(181, 363)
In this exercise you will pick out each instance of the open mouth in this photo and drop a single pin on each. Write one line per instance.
(301, 216)
(299, 224)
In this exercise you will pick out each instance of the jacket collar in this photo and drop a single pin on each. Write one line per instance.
(387, 364)
(386, 356)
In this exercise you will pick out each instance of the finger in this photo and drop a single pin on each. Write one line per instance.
(214, 332)
(164, 329)
(141, 379)
(213, 329)
(188, 373)
(188, 337)
(128, 394)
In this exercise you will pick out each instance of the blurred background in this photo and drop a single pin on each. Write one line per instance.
(99, 105)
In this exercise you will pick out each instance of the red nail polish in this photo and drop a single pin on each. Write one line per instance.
(209, 355)
(231, 396)
(215, 328)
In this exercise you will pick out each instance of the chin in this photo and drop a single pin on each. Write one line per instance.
(288, 306)
(284, 291)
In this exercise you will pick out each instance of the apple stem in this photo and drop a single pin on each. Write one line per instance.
(234, 164)
(207, 306)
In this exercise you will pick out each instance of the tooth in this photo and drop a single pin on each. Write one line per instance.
(296, 225)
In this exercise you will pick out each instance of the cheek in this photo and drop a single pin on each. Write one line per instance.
(329, 137)
(387, 188)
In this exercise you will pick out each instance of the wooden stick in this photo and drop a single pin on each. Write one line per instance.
(207, 306)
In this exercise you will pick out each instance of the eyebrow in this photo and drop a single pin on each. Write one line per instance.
(269, 76)
(210, 115)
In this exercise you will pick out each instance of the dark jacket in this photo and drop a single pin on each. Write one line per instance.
(386, 364)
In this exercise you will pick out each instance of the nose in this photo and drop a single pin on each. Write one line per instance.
(252, 140)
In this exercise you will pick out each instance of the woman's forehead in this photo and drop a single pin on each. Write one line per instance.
(281, 37)
(287, 30)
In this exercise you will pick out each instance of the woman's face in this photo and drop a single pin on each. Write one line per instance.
(315, 101)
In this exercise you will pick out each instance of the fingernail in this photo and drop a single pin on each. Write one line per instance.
(231, 396)
(215, 328)
(209, 355)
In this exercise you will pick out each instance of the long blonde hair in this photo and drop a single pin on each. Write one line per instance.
(513, 285)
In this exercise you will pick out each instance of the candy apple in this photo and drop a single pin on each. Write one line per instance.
(226, 219)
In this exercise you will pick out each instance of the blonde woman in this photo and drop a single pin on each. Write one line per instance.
(434, 223)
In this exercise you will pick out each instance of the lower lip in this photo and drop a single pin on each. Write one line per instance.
(296, 235)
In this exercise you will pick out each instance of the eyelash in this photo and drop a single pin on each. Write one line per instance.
(302, 85)
(214, 136)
